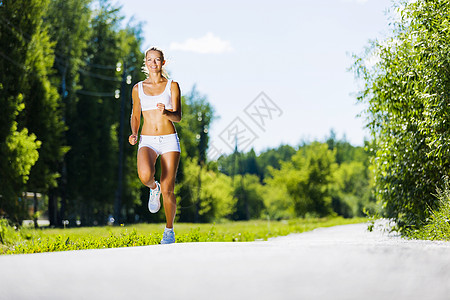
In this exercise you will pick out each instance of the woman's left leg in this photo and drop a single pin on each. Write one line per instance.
(169, 166)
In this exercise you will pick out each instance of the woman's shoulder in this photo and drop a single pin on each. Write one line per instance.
(174, 87)
(173, 84)
(136, 87)
(137, 84)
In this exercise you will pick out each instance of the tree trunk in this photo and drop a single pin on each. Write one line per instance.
(52, 208)
(35, 210)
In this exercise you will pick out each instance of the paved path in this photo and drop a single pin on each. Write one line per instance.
(344, 262)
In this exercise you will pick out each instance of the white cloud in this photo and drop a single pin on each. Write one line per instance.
(208, 43)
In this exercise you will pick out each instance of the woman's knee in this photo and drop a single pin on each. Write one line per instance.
(167, 188)
(146, 175)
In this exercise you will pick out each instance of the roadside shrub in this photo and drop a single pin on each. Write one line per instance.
(438, 225)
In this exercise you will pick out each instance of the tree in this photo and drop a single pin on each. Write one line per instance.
(43, 113)
(215, 197)
(351, 189)
(307, 178)
(249, 163)
(68, 27)
(345, 152)
(249, 194)
(31, 117)
(194, 137)
(93, 123)
(198, 114)
(127, 193)
(274, 158)
(406, 93)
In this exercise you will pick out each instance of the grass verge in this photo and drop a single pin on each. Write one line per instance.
(437, 226)
(25, 240)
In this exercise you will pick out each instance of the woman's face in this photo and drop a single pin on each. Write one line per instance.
(154, 61)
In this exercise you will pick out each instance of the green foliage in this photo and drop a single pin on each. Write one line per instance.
(351, 191)
(92, 160)
(345, 152)
(67, 23)
(250, 197)
(59, 63)
(198, 114)
(23, 148)
(209, 195)
(198, 201)
(249, 163)
(307, 179)
(93, 119)
(278, 203)
(273, 157)
(21, 153)
(352, 187)
(50, 240)
(408, 110)
(42, 114)
(10, 235)
(30, 123)
(438, 224)
(301, 182)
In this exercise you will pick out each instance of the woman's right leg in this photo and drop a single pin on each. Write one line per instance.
(146, 160)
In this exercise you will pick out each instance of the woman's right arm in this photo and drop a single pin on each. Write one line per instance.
(135, 120)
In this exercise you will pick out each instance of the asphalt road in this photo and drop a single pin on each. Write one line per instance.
(343, 262)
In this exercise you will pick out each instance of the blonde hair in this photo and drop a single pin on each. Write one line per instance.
(144, 67)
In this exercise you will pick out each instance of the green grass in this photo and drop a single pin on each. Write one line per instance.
(28, 240)
(437, 227)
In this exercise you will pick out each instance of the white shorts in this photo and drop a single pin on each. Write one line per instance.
(161, 143)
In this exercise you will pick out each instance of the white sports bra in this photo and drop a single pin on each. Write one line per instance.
(149, 102)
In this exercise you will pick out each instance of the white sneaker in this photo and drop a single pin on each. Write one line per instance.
(153, 202)
(168, 237)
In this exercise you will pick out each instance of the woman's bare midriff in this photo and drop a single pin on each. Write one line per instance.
(156, 124)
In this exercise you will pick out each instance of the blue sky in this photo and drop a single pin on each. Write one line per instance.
(276, 72)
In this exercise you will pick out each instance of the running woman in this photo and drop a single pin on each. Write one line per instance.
(158, 98)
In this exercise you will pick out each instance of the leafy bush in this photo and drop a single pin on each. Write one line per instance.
(438, 225)
(407, 80)
(9, 234)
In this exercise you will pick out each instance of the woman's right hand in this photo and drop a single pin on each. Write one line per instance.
(132, 139)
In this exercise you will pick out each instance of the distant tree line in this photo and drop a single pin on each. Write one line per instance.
(67, 68)
(313, 179)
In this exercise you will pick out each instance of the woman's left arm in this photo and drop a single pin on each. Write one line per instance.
(175, 114)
